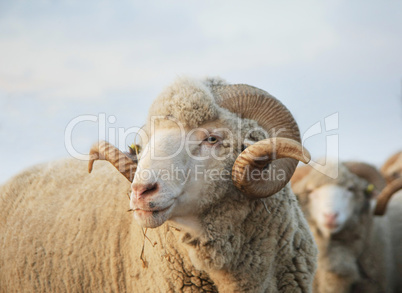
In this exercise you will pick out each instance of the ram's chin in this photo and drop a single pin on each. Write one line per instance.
(328, 230)
(151, 219)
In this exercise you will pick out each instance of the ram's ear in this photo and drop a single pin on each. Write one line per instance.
(371, 191)
(254, 136)
(246, 143)
(375, 181)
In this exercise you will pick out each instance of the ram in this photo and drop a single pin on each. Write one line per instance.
(210, 180)
(353, 225)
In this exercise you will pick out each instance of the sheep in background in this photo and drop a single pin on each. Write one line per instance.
(356, 248)
(64, 230)
(392, 171)
(392, 168)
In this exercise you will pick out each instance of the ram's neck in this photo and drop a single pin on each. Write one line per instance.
(227, 242)
(353, 238)
(243, 242)
(339, 253)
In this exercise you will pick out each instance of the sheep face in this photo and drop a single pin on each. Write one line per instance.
(181, 171)
(333, 205)
(187, 156)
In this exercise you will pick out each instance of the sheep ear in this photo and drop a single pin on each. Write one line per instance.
(376, 181)
(371, 191)
(246, 143)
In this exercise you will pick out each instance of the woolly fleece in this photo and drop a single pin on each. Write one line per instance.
(62, 229)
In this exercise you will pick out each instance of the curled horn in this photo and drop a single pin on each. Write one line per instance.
(386, 169)
(105, 151)
(385, 196)
(279, 153)
(269, 149)
(369, 173)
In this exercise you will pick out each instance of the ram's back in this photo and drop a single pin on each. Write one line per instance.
(62, 229)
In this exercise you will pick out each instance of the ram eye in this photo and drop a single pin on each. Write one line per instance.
(211, 139)
(352, 188)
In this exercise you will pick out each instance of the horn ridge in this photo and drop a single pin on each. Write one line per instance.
(253, 103)
(103, 150)
(386, 195)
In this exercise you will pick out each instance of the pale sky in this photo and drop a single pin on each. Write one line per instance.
(62, 59)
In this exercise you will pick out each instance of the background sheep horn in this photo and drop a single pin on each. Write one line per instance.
(369, 173)
(253, 103)
(105, 151)
(386, 195)
(384, 169)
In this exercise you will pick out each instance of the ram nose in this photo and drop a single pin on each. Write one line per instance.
(142, 190)
(331, 219)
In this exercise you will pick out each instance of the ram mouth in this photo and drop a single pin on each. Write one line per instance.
(332, 226)
(152, 218)
(152, 211)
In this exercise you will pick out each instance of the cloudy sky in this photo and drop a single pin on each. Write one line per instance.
(337, 65)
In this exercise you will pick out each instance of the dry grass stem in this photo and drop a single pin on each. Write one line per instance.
(266, 208)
